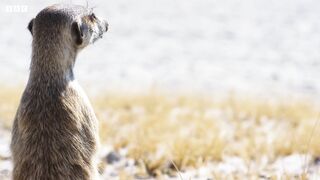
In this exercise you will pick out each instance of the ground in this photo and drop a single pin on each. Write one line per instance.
(157, 135)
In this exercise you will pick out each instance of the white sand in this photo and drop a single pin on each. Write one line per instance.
(266, 46)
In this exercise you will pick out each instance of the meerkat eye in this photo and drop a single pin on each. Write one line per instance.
(92, 17)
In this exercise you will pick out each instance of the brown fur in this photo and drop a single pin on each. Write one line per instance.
(55, 133)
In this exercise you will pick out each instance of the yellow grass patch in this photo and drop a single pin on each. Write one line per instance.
(9, 101)
(189, 130)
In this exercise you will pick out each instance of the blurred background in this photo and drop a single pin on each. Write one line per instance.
(167, 58)
(196, 45)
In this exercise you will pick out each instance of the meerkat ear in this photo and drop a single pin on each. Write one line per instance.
(77, 33)
(30, 25)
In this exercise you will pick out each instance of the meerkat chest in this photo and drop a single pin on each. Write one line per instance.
(75, 92)
(75, 98)
(77, 102)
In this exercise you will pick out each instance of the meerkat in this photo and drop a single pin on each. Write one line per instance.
(55, 131)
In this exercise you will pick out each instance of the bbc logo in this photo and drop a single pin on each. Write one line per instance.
(16, 8)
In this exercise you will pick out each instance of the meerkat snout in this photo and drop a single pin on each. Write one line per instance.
(89, 29)
(106, 25)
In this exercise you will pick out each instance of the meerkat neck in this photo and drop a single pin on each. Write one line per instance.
(52, 64)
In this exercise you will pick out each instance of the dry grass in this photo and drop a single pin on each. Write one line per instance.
(192, 130)
(9, 101)
(188, 130)
(157, 129)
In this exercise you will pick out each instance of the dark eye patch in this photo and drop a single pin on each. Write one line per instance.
(92, 17)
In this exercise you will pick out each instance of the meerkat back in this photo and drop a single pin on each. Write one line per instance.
(55, 132)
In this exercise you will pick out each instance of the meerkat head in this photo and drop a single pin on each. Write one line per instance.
(71, 25)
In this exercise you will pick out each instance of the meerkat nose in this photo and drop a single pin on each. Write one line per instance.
(106, 25)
